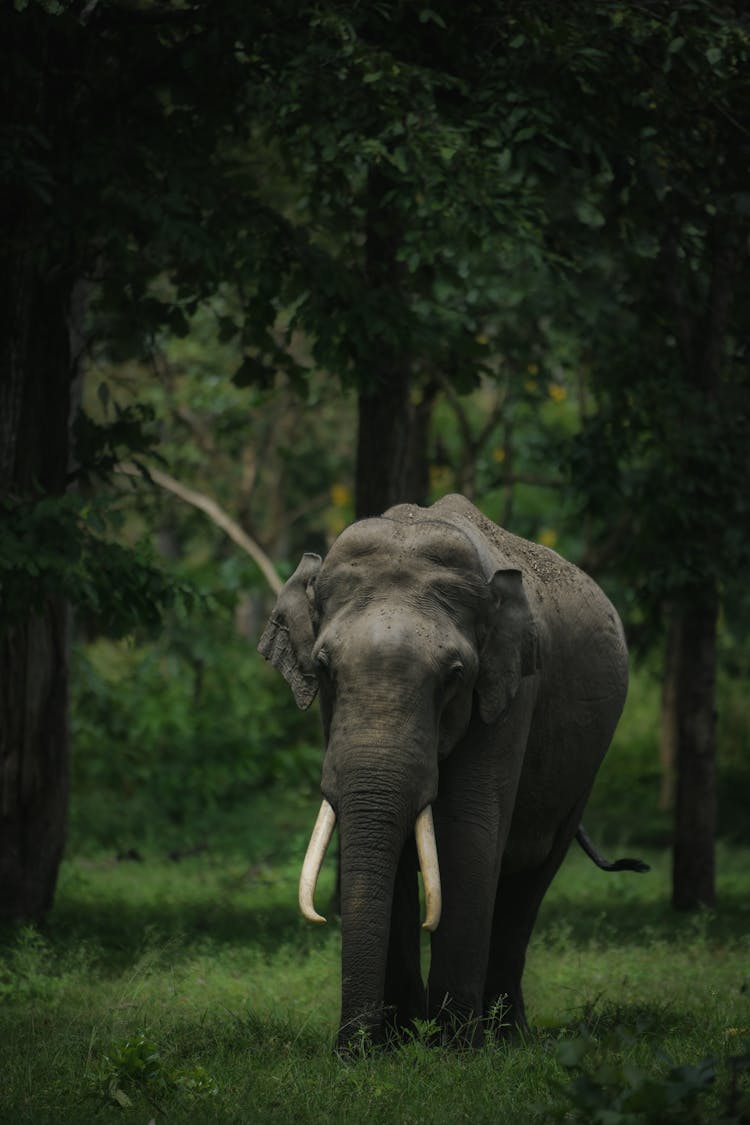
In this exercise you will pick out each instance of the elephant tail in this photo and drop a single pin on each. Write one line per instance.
(587, 844)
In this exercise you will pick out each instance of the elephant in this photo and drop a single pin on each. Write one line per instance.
(470, 682)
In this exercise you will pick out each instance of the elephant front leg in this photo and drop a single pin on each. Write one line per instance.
(460, 945)
(473, 815)
(404, 991)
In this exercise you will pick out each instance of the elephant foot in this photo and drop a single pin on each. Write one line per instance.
(362, 1035)
(457, 1025)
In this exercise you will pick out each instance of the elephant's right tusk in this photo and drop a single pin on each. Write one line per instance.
(316, 850)
(424, 831)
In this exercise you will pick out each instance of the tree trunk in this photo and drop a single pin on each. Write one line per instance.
(391, 465)
(693, 861)
(695, 806)
(382, 444)
(34, 670)
(392, 450)
(36, 404)
(668, 735)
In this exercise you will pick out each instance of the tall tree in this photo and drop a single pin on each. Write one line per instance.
(118, 165)
(37, 401)
(402, 192)
(661, 94)
(622, 133)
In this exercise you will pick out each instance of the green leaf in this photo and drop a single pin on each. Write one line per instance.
(428, 16)
(589, 214)
(121, 1098)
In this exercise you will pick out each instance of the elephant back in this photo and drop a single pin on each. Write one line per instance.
(570, 609)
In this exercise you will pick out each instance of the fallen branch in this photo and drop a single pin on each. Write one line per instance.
(216, 514)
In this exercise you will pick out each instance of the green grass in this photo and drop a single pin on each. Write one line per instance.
(191, 991)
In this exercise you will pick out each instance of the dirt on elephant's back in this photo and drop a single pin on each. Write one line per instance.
(549, 567)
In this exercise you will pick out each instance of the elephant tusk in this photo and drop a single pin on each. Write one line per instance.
(424, 830)
(316, 850)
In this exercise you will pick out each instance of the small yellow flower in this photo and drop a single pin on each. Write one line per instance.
(482, 339)
(532, 368)
(498, 454)
(440, 477)
(340, 495)
(548, 536)
(557, 393)
(531, 385)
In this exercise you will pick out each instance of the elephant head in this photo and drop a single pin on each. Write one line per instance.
(410, 632)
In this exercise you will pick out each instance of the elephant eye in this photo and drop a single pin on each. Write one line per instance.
(455, 672)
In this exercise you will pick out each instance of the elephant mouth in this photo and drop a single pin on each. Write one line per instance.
(424, 832)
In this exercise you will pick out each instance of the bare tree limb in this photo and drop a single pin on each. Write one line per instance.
(472, 445)
(461, 416)
(493, 420)
(217, 515)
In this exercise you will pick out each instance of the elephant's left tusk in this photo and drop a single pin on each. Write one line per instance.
(316, 850)
(424, 830)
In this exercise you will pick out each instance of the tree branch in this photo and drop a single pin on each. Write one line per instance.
(216, 514)
(461, 416)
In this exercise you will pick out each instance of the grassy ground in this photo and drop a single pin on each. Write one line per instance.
(190, 991)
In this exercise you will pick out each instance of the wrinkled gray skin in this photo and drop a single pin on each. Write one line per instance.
(462, 667)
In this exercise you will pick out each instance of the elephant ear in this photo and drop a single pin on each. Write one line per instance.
(288, 638)
(509, 651)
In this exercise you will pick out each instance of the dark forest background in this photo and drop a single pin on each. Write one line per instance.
(267, 268)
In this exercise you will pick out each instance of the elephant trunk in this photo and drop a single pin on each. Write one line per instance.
(374, 825)
(373, 831)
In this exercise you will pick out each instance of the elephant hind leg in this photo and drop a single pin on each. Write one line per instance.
(516, 906)
(519, 896)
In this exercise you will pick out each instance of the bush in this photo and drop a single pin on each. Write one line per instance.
(170, 736)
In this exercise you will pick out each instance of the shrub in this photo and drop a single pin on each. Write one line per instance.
(178, 732)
